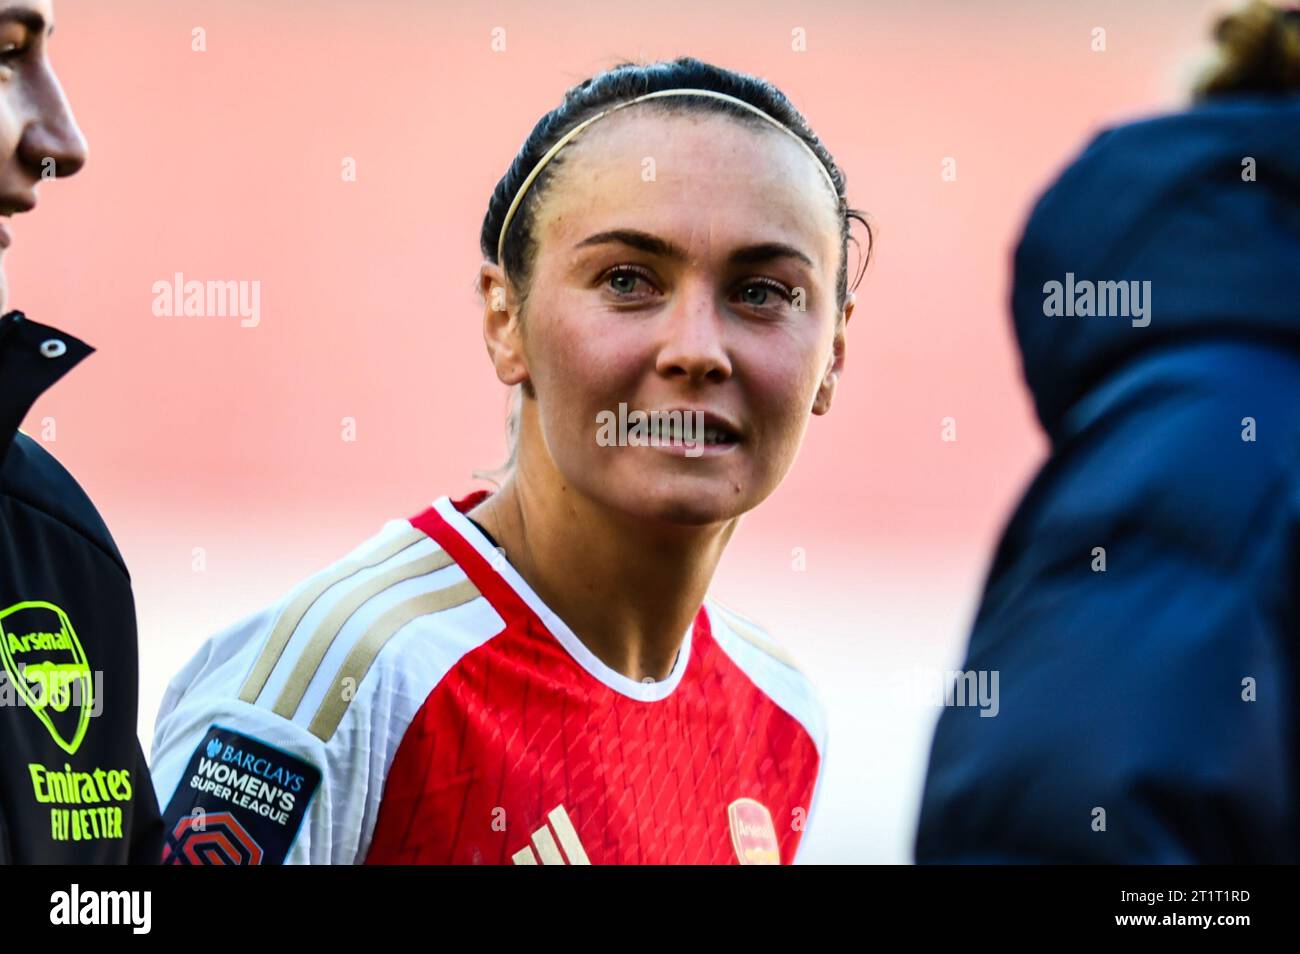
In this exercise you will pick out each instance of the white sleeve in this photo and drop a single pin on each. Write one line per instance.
(274, 742)
(236, 782)
(818, 785)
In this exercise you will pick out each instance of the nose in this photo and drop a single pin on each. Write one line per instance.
(693, 346)
(52, 144)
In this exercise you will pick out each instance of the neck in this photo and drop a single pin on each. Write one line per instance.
(629, 589)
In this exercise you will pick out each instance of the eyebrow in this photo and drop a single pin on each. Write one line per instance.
(653, 244)
(33, 21)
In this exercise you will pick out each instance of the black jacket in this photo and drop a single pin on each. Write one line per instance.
(1143, 608)
(74, 786)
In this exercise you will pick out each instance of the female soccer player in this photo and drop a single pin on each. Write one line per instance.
(537, 675)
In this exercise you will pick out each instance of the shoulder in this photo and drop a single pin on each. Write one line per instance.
(33, 477)
(770, 666)
(395, 608)
(332, 674)
(397, 611)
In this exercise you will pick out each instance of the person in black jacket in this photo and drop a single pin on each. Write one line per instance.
(1143, 607)
(74, 786)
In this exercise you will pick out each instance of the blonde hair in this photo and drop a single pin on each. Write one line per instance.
(1258, 52)
(495, 475)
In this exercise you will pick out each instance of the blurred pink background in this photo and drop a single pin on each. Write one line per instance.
(226, 164)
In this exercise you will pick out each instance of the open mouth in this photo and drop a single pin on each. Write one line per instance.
(716, 436)
(684, 427)
(693, 431)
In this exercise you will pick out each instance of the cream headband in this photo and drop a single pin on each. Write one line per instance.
(564, 140)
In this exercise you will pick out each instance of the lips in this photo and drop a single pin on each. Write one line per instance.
(717, 429)
(9, 206)
(16, 205)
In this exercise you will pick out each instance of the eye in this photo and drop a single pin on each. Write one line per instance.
(622, 279)
(12, 46)
(765, 288)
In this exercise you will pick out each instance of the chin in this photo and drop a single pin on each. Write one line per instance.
(680, 500)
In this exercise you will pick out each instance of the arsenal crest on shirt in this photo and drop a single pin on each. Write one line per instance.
(752, 833)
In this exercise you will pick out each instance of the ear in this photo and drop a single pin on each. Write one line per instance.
(826, 390)
(501, 331)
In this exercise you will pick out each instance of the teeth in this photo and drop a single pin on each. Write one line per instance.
(679, 433)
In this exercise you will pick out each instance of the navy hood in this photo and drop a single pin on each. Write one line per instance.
(1162, 201)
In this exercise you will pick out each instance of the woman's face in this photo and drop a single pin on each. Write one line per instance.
(672, 252)
(38, 136)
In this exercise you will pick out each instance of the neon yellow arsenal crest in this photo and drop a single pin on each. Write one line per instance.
(47, 666)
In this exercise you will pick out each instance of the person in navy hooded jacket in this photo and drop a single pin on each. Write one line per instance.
(1143, 607)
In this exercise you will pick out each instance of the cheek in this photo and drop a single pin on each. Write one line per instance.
(9, 129)
(585, 362)
(581, 367)
(782, 379)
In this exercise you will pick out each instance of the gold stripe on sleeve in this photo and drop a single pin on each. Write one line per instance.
(289, 619)
(304, 670)
(359, 660)
(752, 634)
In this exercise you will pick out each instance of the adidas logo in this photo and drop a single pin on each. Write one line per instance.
(549, 839)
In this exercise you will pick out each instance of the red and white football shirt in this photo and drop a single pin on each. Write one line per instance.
(418, 703)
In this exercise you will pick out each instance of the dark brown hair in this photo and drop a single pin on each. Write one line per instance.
(1258, 52)
(619, 84)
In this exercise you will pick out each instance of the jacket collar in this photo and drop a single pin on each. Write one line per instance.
(32, 357)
